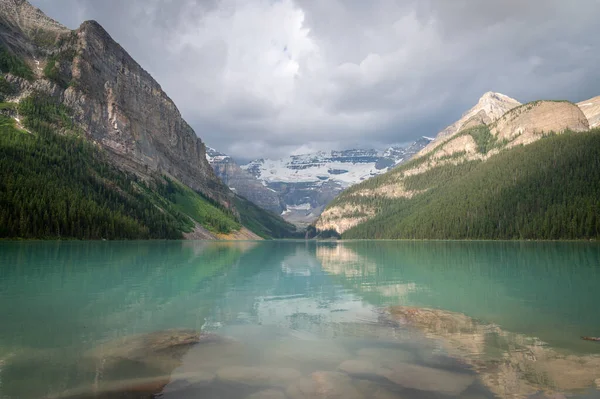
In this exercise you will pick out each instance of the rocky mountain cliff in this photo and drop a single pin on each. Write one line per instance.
(308, 182)
(26, 28)
(243, 183)
(591, 110)
(146, 176)
(115, 101)
(525, 124)
(477, 136)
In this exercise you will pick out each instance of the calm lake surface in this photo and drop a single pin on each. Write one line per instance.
(299, 319)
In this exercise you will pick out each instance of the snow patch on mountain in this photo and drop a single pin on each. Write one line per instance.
(344, 167)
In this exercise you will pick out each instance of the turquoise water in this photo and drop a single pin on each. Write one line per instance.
(282, 303)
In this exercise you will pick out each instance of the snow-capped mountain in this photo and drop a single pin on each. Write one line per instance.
(308, 182)
(243, 183)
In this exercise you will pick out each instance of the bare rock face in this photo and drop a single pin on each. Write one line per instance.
(343, 218)
(22, 15)
(527, 123)
(24, 27)
(591, 110)
(125, 110)
(489, 108)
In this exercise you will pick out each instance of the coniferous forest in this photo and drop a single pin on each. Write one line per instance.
(546, 190)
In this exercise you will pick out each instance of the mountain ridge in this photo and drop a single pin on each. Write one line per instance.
(476, 141)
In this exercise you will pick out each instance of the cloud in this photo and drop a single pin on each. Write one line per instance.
(266, 78)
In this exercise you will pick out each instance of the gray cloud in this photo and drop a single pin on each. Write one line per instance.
(265, 78)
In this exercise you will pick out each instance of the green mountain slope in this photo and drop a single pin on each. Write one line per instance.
(264, 223)
(549, 189)
(61, 186)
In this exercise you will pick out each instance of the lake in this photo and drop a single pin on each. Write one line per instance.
(295, 319)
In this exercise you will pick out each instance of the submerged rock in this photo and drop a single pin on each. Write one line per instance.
(258, 376)
(524, 365)
(373, 390)
(212, 356)
(267, 394)
(434, 319)
(306, 355)
(359, 368)
(142, 363)
(427, 379)
(186, 381)
(387, 355)
(409, 376)
(324, 385)
(134, 388)
(170, 343)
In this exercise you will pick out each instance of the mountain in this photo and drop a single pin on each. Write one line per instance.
(461, 175)
(591, 110)
(547, 190)
(243, 183)
(308, 182)
(490, 107)
(81, 84)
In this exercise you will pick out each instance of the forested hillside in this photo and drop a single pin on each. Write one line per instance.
(61, 186)
(91, 146)
(264, 223)
(549, 189)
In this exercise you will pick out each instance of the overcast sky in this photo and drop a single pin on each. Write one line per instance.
(267, 78)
